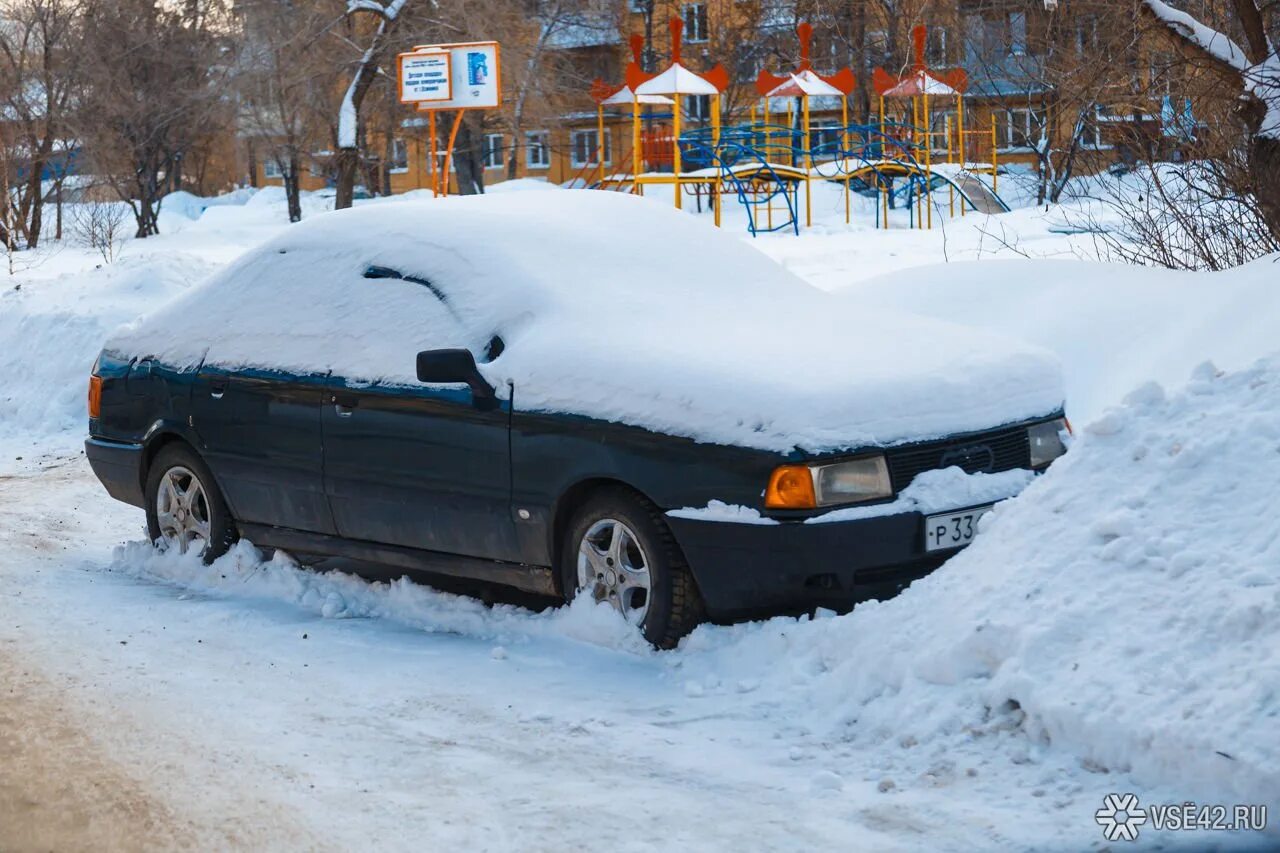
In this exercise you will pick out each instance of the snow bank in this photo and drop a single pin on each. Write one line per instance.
(336, 595)
(1113, 326)
(611, 307)
(1124, 608)
(52, 330)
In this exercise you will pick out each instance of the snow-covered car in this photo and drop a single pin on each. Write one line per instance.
(571, 393)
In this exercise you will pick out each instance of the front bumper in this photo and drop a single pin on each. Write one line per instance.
(118, 465)
(764, 569)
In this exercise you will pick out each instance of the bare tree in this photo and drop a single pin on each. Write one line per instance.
(151, 75)
(37, 44)
(285, 83)
(367, 71)
(1250, 68)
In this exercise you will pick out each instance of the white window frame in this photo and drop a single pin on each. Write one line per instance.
(578, 163)
(490, 154)
(271, 169)
(1030, 132)
(402, 145)
(692, 33)
(537, 141)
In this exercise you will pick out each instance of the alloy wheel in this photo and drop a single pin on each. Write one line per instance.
(613, 567)
(182, 510)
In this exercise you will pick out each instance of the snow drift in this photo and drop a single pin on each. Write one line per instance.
(1125, 608)
(52, 330)
(610, 307)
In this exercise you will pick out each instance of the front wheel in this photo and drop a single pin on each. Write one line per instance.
(618, 550)
(185, 510)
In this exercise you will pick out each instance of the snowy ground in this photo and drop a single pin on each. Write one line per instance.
(1112, 630)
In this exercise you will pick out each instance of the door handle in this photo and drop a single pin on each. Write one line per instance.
(344, 404)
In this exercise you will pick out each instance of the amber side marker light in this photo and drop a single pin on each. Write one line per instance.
(790, 487)
(95, 396)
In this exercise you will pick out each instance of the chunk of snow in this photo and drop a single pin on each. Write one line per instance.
(611, 307)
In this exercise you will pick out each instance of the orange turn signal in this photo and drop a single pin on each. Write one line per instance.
(790, 487)
(95, 396)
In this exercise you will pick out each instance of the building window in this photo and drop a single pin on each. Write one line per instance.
(1017, 33)
(935, 51)
(877, 47)
(824, 139)
(491, 151)
(1025, 127)
(698, 107)
(695, 23)
(271, 169)
(537, 150)
(1091, 135)
(1087, 35)
(399, 156)
(638, 5)
(583, 146)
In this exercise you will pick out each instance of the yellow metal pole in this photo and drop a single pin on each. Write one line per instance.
(915, 155)
(928, 161)
(808, 173)
(995, 156)
(884, 190)
(600, 144)
(637, 157)
(675, 149)
(964, 157)
(951, 189)
(844, 152)
(715, 148)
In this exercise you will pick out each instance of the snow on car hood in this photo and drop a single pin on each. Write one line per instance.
(612, 307)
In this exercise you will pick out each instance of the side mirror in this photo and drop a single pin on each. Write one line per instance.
(453, 365)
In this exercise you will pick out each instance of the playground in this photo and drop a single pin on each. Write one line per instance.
(917, 161)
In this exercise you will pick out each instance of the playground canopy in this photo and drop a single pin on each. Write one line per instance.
(625, 96)
(803, 83)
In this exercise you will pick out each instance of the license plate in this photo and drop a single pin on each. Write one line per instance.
(952, 529)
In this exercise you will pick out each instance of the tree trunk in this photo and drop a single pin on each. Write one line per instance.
(466, 158)
(348, 163)
(291, 189)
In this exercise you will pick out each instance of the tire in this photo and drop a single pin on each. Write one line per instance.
(593, 561)
(198, 518)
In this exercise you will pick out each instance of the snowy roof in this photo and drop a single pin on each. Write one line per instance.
(626, 96)
(806, 83)
(919, 83)
(611, 306)
(677, 80)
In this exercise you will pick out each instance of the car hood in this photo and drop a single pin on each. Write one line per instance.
(814, 375)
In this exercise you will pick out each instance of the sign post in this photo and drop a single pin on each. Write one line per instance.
(460, 77)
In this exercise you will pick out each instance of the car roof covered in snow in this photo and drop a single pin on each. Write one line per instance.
(611, 306)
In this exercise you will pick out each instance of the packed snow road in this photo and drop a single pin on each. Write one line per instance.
(255, 723)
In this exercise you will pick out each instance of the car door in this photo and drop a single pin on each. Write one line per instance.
(410, 464)
(261, 431)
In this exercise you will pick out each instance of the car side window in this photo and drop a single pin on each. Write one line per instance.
(392, 317)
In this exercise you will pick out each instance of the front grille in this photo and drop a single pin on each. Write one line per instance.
(987, 452)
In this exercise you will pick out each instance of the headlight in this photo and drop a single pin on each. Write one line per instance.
(811, 486)
(1047, 442)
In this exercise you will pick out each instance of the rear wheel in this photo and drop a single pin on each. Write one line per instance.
(618, 550)
(185, 510)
